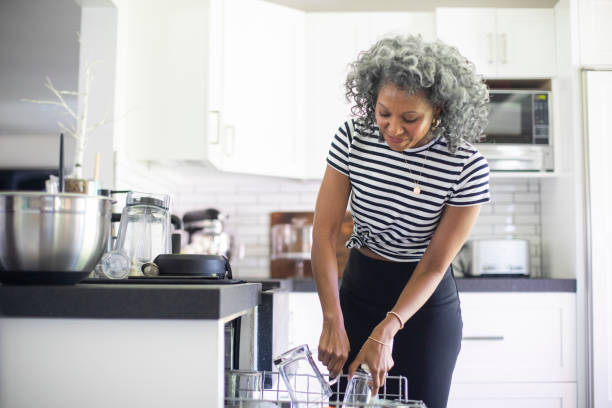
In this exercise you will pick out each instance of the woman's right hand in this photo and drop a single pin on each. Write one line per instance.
(333, 346)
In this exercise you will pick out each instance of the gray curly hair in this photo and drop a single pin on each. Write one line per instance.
(449, 80)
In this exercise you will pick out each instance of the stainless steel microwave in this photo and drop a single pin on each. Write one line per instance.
(518, 136)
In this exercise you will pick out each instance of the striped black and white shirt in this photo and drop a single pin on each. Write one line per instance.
(389, 218)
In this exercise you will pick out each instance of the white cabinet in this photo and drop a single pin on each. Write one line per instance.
(333, 41)
(595, 32)
(305, 319)
(212, 81)
(163, 79)
(503, 43)
(519, 347)
(262, 113)
(513, 395)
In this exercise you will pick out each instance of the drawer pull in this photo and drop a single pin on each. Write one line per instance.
(483, 338)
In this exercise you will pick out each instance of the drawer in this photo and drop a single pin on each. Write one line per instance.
(515, 395)
(517, 337)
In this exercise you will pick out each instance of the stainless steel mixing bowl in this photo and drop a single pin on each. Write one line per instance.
(51, 238)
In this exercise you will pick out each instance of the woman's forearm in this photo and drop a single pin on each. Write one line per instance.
(325, 271)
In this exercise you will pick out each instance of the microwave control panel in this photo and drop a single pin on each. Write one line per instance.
(540, 118)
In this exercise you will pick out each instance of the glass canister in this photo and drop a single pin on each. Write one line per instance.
(144, 229)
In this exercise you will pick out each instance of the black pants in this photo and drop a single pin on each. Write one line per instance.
(426, 350)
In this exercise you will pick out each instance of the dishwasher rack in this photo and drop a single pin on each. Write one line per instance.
(275, 394)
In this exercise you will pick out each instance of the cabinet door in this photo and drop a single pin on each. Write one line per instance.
(305, 319)
(515, 337)
(162, 79)
(473, 32)
(513, 395)
(526, 43)
(595, 32)
(259, 117)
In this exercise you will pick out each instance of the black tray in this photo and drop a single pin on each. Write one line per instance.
(165, 280)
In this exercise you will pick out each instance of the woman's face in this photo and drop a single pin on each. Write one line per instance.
(403, 119)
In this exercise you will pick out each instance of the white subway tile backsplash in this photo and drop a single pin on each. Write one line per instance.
(501, 197)
(526, 197)
(515, 229)
(527, 219)
(497, 187)
(486, 209)
(534, 186)
(248, 200)
(514, 208)
(300, 187)
(279, 198)
(486, 219)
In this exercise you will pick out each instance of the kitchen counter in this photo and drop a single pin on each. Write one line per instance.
(480, 285)
(118, 345)
(128, 301)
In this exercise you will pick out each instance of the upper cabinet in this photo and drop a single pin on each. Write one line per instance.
(262, 113)
(162, 79)
(211, 81)
(502, 43)
(595, 32)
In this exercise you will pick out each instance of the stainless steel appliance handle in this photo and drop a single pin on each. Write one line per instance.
(483, 338)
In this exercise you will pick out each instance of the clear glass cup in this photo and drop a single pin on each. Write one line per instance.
(358, 389)
(114, 264)
(306, 385)
(243, 385)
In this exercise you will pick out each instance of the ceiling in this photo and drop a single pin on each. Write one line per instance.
(407, 5)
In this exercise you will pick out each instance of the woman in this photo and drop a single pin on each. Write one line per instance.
(415, 185)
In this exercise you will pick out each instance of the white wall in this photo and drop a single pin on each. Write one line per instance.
(38, 38)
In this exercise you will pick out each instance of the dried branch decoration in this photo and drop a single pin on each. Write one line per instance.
(79, 130)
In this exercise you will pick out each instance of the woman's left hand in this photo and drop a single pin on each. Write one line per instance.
(378, 358)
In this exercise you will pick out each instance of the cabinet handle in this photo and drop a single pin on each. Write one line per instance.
(491, 48)
(483, 338)
(230, 140)
(504, 42)
(217, 118)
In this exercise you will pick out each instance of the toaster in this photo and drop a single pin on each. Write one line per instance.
(498, 257)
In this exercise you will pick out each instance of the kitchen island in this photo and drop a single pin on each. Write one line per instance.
(117, 345)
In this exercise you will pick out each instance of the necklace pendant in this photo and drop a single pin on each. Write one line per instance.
(417, 190)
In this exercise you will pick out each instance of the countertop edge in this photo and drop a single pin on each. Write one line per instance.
(207, 302)
(480, 285)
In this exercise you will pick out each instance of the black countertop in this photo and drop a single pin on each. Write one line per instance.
(482, 285)
(129, 300)
(196, 301)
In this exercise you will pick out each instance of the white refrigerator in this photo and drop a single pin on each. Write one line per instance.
(597, 134)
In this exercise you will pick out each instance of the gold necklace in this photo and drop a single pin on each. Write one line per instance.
(416, 189)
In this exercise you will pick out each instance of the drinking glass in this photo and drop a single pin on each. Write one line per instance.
(243, 385)
(302, 377)
(358, 389)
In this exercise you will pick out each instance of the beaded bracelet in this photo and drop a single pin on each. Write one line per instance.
(399, 319)
(380, 342)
